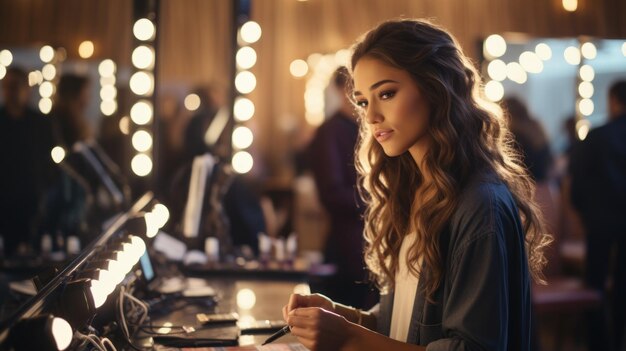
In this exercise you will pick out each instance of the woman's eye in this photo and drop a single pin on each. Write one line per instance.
(387, 95)
(361, 104)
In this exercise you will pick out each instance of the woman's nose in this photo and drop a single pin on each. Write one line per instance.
(372, 115)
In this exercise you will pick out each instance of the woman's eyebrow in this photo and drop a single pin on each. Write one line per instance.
(376, 85)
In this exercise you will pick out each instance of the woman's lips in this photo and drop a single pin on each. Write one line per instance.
(382, 135)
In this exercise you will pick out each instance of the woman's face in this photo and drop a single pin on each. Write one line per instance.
(393, 106)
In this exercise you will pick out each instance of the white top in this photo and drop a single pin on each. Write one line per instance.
(404, 293)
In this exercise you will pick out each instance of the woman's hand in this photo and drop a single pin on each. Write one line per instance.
(314, 300)
(319, 329)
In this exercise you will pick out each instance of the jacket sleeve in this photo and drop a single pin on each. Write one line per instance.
(476, 310)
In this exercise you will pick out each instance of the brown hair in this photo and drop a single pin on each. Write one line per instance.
(469, 135)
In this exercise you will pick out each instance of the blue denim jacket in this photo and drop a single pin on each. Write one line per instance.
(483, 301)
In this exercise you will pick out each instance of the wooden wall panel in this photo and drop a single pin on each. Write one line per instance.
(67, 23)
(194, 43)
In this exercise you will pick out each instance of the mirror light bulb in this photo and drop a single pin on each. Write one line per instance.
(62, 333)
(161, 213)
(98, 292)
(152, 225)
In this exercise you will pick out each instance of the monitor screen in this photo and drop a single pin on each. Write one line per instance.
(146, 267)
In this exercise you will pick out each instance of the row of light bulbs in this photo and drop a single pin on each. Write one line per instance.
(108, 93)
(118, 266)
(142, 84)
(6, 57)
(120, 260)
(108, 266)
(245, 83)
(532, 62)
(47, 76)
(322, 68)
(495, 46)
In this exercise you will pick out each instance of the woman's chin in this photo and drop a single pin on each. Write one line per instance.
(393, 152)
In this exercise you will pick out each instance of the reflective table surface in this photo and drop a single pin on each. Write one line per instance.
(253, 300)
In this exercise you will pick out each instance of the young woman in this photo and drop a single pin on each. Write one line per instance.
(453, 235)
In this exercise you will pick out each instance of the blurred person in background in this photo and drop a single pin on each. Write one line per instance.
(532, 140)
(598, 192)
(195, 132)
(533, 146)
(331, 155)
(229, 208)
(91, 188)
(25, 162)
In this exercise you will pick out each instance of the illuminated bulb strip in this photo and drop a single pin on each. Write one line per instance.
(142, 83)
(118, 267)
(162, 214)
(108, 92)
(245, 82)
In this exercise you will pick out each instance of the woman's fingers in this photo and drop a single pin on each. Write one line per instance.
(295, 301)
(304, 333)
(311, 317)
(317, 329)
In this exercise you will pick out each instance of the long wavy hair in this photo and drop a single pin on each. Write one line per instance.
(469, 136)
